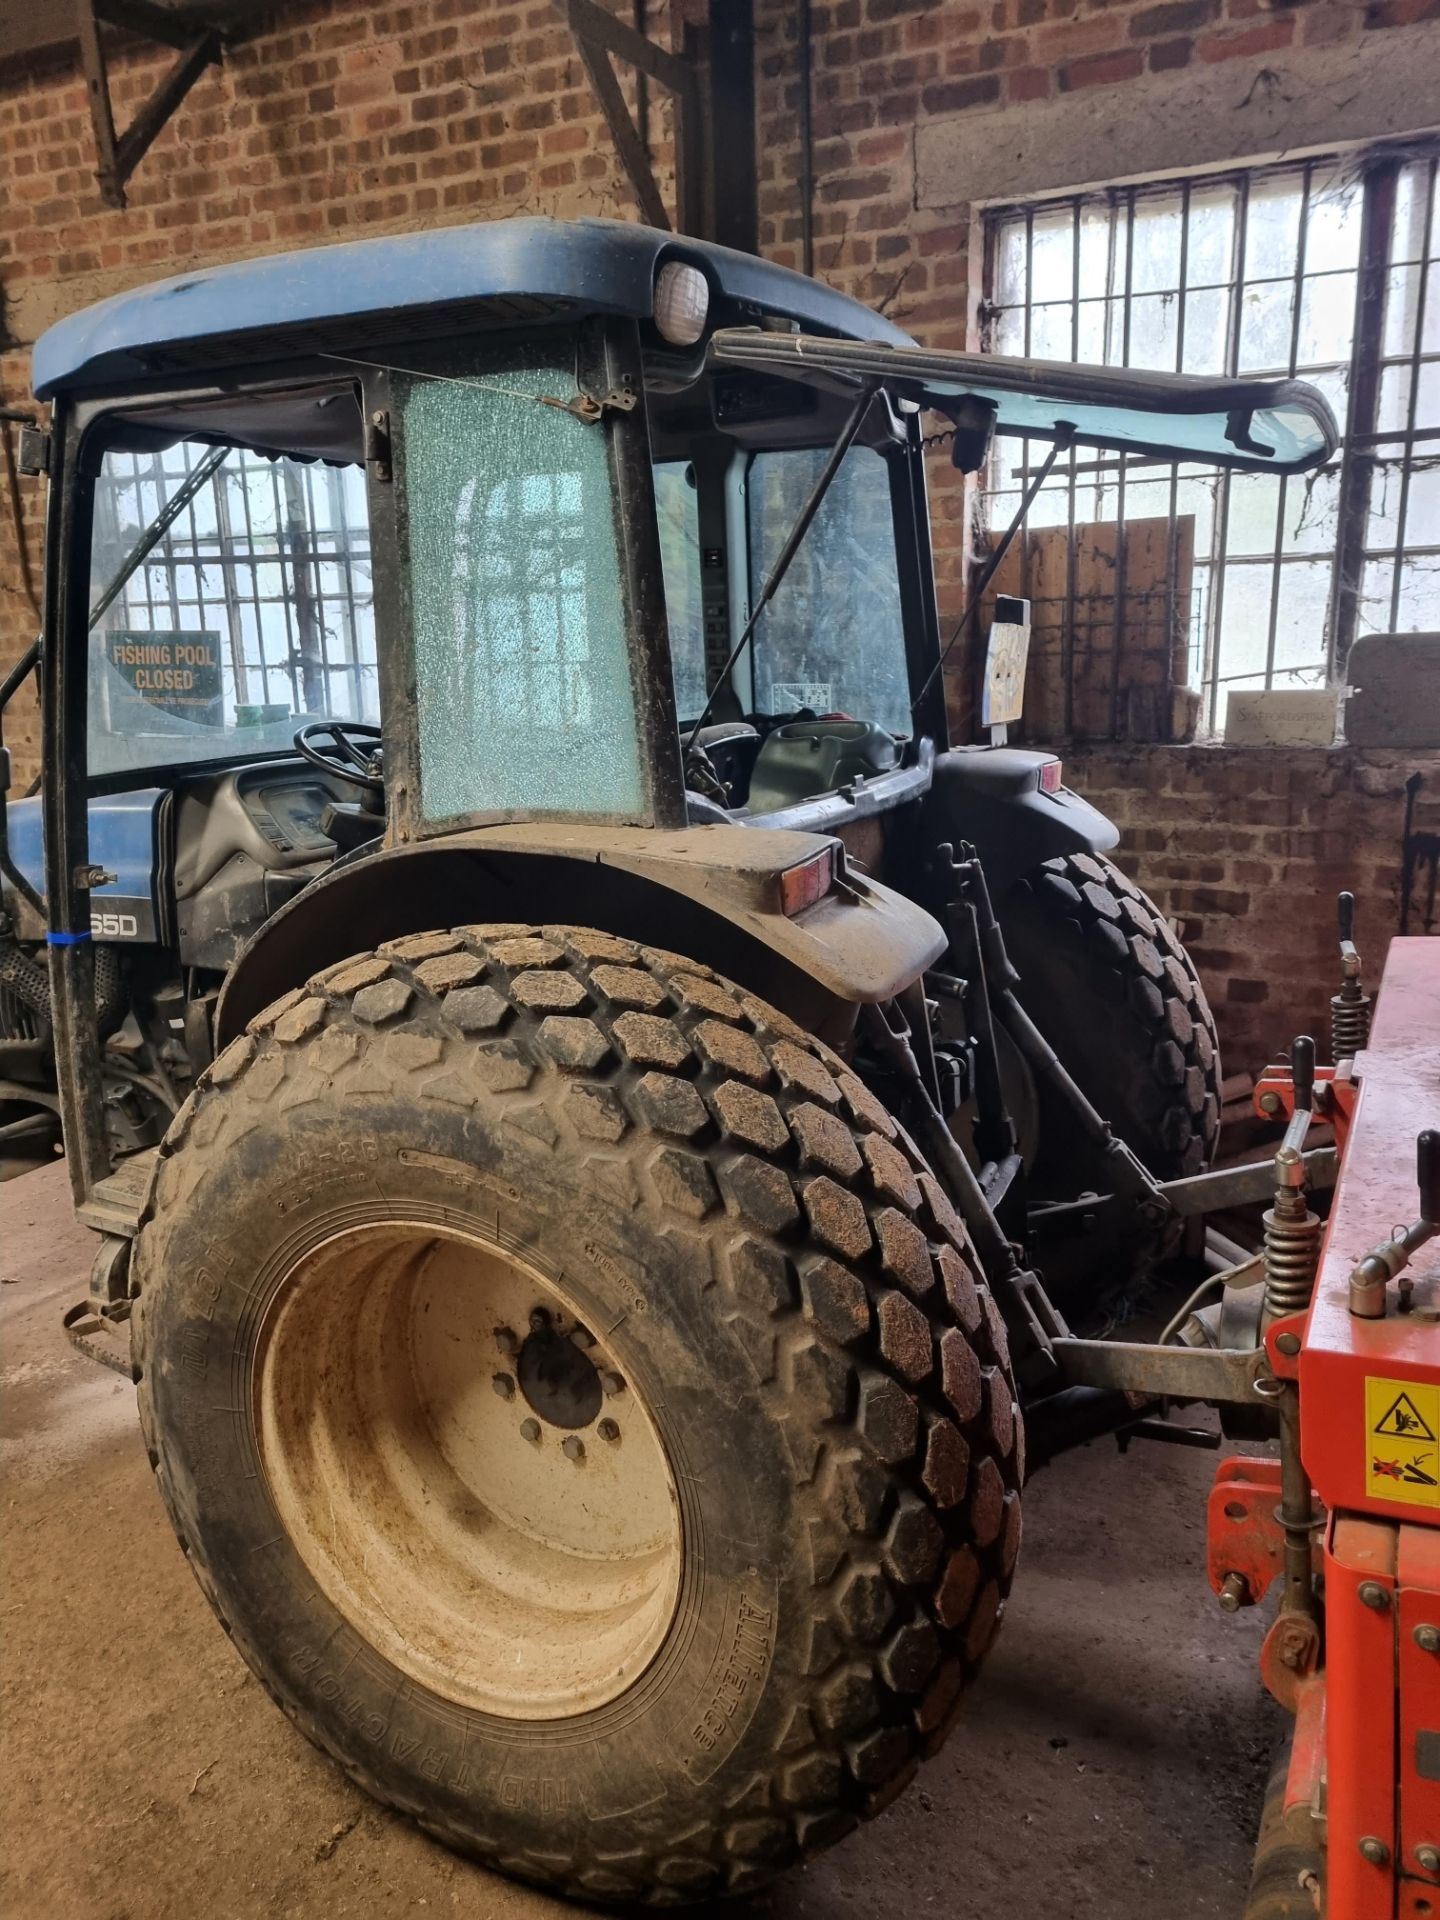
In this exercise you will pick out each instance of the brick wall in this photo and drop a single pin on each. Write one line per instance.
(334, 119)
(894, 223)
(1248, 847)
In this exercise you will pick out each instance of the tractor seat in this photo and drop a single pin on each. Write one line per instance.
(809, 757)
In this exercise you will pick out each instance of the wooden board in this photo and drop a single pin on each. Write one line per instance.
(1078, 686)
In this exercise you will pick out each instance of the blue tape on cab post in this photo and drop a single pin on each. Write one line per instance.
(65, 939)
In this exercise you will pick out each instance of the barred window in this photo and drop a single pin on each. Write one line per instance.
(1328, 269)
(270, 555)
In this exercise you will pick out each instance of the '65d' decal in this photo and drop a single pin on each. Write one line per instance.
(114, 926)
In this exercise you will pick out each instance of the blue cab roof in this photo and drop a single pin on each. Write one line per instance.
(599, 266)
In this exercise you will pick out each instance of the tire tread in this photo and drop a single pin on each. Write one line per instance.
(845, 1275)
(1125, 945)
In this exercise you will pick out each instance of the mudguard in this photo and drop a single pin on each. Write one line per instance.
(993, 797)
(711, 892)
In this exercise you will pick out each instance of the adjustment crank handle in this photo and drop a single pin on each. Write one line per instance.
(1371, 1277)
(1302, 1079)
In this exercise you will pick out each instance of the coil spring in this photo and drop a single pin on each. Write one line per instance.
(1292, 1253)
(1349, 1024)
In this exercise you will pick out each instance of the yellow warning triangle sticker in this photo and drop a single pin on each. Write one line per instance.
(1403, 1420)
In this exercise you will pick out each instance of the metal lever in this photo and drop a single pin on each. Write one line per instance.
(1371, 1278)
(1302, 1079)
(1427, 1176)
(1350, 1007)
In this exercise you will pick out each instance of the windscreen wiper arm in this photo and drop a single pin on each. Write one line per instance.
(160, 526)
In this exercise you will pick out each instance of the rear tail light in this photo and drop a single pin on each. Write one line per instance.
(1050, 776)
(801, 886)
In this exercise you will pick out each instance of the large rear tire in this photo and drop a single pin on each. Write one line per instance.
(579, 1403)
(1117, 996)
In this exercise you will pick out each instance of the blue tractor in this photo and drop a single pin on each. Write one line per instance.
(569, 1063)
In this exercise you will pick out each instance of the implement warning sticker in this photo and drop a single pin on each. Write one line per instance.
(1402, 1441)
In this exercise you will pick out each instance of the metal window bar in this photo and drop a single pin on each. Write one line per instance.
(1298, 567)
(1117, 632)
(1418, 359)
(1172, 540)
(1296, 308)
(204, 572)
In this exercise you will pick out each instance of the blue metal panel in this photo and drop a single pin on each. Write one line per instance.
(122, 841)
(604, 266)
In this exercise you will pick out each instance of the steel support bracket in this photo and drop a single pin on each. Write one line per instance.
(600, 38)
(1244, 1541)
(1290, 1657)
(197, 45)
(35, 451)
(1221, 1375)
(1283, 1340)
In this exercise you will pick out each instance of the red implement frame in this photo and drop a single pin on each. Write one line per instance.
(1243, 1538)
(1367, 1738)
(1336, 1092)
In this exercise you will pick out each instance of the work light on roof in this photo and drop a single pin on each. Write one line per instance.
(682, 300)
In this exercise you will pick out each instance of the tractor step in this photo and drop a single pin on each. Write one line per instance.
(101, 1336)
(114, 1203)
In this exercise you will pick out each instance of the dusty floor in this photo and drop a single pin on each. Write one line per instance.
(1110, 1769)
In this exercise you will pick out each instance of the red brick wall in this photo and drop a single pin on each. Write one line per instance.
(1248, 847)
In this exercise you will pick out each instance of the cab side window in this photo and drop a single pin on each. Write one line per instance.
(230, 600)
(832, 640)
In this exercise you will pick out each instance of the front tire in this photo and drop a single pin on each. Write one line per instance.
(1117, 996)
(713, 1667)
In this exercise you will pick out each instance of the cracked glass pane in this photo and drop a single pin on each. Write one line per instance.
(522, 674)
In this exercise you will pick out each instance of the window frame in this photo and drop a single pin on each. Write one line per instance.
(350, 545)
(890, 454)
(1362, 453)
(82, 442)
(608, 363)
(909, 521)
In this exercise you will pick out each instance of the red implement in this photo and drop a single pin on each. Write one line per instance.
(1366, 1751)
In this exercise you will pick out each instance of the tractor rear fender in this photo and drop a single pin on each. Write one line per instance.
(993, 797)
(713, 893)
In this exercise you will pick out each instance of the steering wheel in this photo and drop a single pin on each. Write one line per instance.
(343, 758)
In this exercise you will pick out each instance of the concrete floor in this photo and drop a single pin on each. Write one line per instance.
(1111, 1766)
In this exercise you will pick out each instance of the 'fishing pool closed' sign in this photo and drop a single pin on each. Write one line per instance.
(177, 673)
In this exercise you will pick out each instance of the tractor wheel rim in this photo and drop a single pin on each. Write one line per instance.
(467, 1471)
